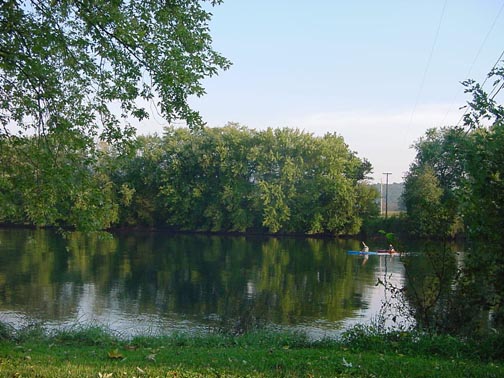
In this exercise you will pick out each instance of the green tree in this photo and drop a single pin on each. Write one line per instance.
(76, 71)
(459, 173)
(422, 197)
(205, 179)
(63, 63)
(45, 182)
(433, 206)
(283, 180)
(279, 164)
(137, 179)
(484, 175)
(481, 286)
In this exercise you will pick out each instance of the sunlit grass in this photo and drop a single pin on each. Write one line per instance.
(362, 352)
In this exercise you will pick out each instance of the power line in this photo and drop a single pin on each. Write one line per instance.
(483, 84)
(485, 39)
(482, 44)
(495, 65)
(498, 90)
(428, 63)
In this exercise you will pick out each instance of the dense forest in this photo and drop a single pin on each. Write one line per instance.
(213, 179)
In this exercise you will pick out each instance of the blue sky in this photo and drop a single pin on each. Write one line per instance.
(379, 73)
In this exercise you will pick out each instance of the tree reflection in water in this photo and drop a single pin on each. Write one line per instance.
(157, 282)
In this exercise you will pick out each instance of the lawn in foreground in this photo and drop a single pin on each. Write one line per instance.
(94, 353)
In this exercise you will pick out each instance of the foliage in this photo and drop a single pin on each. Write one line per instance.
(6, 331)
(46, 182)
(216, 179)
(433, 185)
(456, 182)
(429, 289)
(81, 335)
(422, 197)
(73, 73)
(136, 179)
(483, 197)
(414, 342)
(457, 174)
(234, 179)
(397, 224)
(63, 64)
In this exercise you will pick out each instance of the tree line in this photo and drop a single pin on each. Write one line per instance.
(211, 179)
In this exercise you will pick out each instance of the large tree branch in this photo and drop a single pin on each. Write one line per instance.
(84, 14)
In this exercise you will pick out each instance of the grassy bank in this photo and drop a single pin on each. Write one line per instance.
(94, 353)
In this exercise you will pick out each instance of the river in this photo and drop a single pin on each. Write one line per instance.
(157, 283)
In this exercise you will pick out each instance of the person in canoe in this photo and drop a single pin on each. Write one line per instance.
(390, 250)
(365, 248)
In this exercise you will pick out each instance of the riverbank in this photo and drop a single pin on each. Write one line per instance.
(360, 353)
(142, 229)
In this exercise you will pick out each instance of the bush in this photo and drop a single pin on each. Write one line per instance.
(85, 336)
(6, 331)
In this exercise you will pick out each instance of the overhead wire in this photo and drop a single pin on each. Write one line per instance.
(485, 39)
(424, 76)
(496, 87)
(482, 85)
(426, 70)
(482, 44)
(497, 92)
(494, 66)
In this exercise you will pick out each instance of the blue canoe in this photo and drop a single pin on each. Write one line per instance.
(372, 253)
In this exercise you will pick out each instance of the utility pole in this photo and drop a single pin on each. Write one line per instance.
(381, 196)
(386, 193)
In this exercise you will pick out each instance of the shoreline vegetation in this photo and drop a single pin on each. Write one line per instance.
(169, 230)
(216, 179)
(371, 227)
(362, 351)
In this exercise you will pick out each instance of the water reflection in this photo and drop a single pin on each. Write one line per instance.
(159, 283)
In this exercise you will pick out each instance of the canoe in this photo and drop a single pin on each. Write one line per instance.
(377, 253)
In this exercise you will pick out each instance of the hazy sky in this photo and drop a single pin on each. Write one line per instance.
(378, 73)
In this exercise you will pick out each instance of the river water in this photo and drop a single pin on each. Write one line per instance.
(157, 283)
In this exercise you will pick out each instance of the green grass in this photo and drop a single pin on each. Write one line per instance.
(361, 353)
